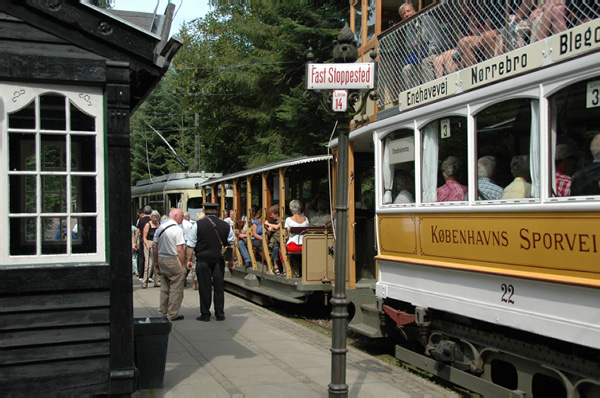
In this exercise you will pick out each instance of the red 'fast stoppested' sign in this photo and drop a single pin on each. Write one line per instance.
(340, 76)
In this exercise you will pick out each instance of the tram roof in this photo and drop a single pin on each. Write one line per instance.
(173, 181)
(271, 166)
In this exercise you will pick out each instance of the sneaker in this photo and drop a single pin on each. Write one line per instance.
(150, 280)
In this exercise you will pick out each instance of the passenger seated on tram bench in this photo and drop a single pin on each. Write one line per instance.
(257, 236)
(404, 186)
(319, 212)
(487, 188)
(565, 162)
(273, 228)
(587, 180)
(520, 187)
(452, 190)
(294, 242)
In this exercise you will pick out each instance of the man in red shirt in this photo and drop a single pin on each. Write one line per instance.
(565, 165)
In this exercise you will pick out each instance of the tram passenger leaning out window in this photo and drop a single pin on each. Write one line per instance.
(452, 190)
(486, 170)
(565, 161)
(521, 186)
(587, 180)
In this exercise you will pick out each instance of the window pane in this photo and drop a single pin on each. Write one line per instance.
(358, 24)
(83, 153)
(575, 112)
(371, 10)
(503, 146)
(444, 160)
(81, 121)
(54, 194)
(53, 152)
(22, 236)
(22, 194)
(21, 151)
(55, 235)
(83, 194)
(52, 112)
(84, 235)
(399, 167)
(23, 119)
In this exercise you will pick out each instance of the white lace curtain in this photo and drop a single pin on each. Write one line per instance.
(430, 162)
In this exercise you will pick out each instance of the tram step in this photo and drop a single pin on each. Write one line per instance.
(371, 307)
(365, 330)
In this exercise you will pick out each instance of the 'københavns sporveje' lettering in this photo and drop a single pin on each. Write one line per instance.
(469, 237)
(528, 240)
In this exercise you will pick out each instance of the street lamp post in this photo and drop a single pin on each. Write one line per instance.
(343, 97)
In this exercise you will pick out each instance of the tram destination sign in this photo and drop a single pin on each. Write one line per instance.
(340, 76)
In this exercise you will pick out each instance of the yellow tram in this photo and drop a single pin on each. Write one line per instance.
(486, 189)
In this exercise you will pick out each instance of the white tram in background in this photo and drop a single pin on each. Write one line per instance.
(500, 294)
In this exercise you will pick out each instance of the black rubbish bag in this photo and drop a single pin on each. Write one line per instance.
(151, 340)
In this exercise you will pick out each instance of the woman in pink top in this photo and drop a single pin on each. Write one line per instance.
(294, 242)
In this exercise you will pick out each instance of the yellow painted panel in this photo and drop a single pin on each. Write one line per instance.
(566, 243)
(398, 234)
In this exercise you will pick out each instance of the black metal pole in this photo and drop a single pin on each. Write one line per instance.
(339, 303)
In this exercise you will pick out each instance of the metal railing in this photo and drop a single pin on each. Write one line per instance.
(454, 35)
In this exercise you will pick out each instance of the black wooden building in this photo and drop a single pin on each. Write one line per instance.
(71, 75)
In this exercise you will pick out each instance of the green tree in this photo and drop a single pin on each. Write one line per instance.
(241, 71)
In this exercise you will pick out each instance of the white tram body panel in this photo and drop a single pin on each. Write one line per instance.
(565, 312)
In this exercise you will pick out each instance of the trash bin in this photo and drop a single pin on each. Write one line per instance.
(151, 339)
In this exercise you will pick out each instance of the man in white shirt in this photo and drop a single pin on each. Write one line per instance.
(169, 252)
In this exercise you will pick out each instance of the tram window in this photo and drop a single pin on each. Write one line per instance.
(507, 151)
(575, 138)
(53, 187)
(399, 167)
(444, 174)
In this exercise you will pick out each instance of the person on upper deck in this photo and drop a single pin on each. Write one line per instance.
(425, 40)
(294, 242)
(452, 190)
(486, 169)
(483, 41)
(520, 187)
(587, 180)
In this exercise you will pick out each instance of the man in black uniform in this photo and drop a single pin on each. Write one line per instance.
(206, 239)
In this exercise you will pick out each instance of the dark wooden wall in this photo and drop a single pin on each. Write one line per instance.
(54, 329)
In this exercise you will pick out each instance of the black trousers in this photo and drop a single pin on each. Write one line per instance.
(141, 260)
(210, 275)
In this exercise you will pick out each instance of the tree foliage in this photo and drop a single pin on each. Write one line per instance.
(238, 84)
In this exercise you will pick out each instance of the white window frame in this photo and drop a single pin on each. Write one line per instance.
(15, 96)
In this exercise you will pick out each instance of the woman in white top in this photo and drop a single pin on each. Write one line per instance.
(294, 243)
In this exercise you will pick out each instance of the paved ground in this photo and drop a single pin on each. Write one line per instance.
(255, 353)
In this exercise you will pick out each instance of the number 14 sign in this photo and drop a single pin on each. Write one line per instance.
(340, 100)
